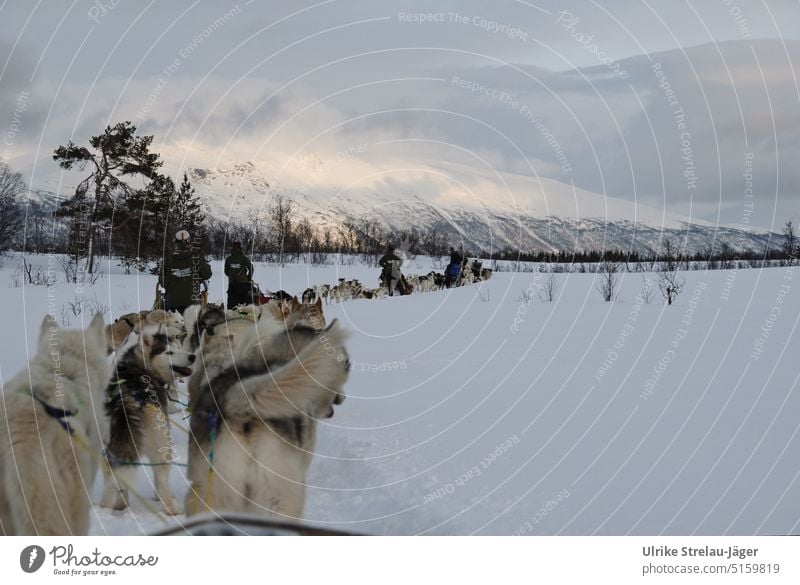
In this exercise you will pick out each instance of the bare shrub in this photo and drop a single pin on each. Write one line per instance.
(526, 296)
(31, 275)
(71, 268)
(549, 289)
(79, 306)
(608, 280)
(74, 274)
(671, 284)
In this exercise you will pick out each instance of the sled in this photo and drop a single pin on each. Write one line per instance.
(244, 525)
(259, 298)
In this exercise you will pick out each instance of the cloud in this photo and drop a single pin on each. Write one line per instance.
(455, 93)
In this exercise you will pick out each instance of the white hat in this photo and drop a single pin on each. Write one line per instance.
(182, 236)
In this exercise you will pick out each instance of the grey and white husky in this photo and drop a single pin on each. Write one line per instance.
(137, 405)
(253, 423)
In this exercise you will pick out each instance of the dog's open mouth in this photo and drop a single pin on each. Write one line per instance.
(329, 414)
(182, 371)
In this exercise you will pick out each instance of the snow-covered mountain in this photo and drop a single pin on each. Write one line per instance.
(522, 213)
(556, 217)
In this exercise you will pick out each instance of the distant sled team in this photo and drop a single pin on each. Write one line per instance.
(459, 272)
(259, 379)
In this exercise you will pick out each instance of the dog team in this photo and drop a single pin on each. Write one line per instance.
(348, 290)
(258, 377)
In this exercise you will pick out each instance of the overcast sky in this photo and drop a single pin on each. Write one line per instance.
(664, 103)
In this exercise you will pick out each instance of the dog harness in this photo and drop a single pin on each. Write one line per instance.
(128, 321)
(146, 396)
(59, 414)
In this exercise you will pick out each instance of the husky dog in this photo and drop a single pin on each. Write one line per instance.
(277, 310)
(309, 314)
(117, 332)
(427, 282)
(216, 346)
(49, 433)
(254, 423)
(338, 291)
(137, 407)
(292, 312)
(214, 353)
(171, 320)
(173, 324)
(217, 339)
(309, 295)
(324, 292)
(320, 291)
(197, 320)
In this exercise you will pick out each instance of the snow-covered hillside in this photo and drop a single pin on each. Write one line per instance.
(471, 411)
(531, 214)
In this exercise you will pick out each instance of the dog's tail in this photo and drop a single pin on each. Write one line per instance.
(308, 384)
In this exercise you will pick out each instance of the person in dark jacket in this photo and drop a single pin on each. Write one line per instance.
(239, 271)
(454, 268)
(390, 263)
(182, 274)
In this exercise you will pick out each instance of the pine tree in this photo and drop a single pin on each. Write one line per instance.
(115, 155)
(141, 223)
(145, 226)
(187, 211)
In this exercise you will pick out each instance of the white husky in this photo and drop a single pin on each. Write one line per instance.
(50, 433)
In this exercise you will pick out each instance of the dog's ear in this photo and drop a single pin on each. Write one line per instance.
(49, 325)
(97, 328)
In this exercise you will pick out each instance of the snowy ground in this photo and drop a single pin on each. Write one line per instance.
(470, 411)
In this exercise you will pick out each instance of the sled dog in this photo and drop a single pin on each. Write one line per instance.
(172, 320)
(50, 435)
(137, 405)
(117, 332)
(197, 320)
(309, 314)
(254, 422)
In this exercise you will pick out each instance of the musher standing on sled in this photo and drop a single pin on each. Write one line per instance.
(453, 269)
(182, 273)
(239, 271)
(391, 263)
